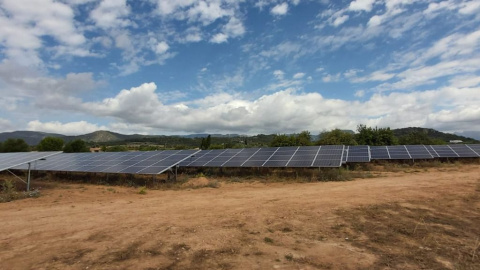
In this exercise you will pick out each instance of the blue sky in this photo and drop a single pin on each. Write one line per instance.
(248, 67)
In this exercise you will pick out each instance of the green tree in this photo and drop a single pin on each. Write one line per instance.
(283, 140)
(76, 146)
(117, 148)
(206, 142)
(375, 136)
(50, 144)
(15, 145)
(304, 138)
(336, 137)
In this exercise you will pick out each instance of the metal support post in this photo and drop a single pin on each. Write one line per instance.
(28, 178)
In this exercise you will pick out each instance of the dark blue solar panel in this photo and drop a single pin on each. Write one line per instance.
(419, 151)
(358, 153)
(398, 152)
(11, 160)
(475, 148)
(444, 151)
(379, 152)
(463, 150)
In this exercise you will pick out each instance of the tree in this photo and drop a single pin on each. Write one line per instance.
(76, 146)
(378, 136)
(50, 144)
(117, 148)
(206, 142)
(336, 137)
(15, 145)
(283, 140)
(304, 138)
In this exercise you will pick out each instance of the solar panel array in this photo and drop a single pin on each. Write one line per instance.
(156, 162)
(11, 160)
(152, 162)
(271, 157)
(425, 151)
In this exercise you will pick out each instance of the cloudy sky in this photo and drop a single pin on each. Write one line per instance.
(238, 66)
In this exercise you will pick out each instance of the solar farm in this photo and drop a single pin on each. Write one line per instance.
(414, 201)
(157, 162)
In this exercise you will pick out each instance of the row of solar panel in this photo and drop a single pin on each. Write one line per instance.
(156, 162)
(298, 156)
(425, 151)
(152, 162)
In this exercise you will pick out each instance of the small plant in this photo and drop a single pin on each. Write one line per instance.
(289, 257)
(213, 184)
(142, 190)
(200, 175)
(268, 240)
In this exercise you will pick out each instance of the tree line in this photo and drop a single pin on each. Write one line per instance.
(364, 136)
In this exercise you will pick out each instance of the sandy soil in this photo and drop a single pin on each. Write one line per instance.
(238, 225)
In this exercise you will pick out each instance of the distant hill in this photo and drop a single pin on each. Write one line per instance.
(103, 136)
(471, 134)
(30, 137)
(112, 138)
(434, 134)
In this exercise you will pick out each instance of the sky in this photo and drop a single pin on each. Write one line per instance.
(238, 66)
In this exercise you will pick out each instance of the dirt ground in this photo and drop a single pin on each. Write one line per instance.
(397, 221)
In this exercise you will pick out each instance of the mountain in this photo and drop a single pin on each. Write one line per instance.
(30, 137)
(103, 136)
(471, 134)
(434, 134)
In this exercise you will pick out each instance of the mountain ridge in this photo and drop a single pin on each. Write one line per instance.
(105, 136)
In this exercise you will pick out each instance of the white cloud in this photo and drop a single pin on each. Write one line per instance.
(6, 125)
(340, 20)
(279, 74)
(299, 75)
(71, 128)
(280, 9)
(361, 5)
(162, 47)
(331, 78)
(224, 112)
(360, 93)
(23, 28)
(111, 14)
(375, 21)
(219, 38)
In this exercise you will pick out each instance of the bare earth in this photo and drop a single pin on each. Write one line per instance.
(238, 225)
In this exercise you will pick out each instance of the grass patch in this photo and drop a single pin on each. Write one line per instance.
(142, 190)
(8, 192)
(435, 234)
(268, 240)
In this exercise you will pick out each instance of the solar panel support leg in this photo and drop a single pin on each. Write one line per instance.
(28, 178)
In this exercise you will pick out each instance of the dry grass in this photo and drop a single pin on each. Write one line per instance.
(435, 234)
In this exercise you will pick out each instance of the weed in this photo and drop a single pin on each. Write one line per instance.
(289, 257)
(268, 240)
(142, 190)
(213, 184)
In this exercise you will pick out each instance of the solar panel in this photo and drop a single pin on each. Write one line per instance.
(152, 162)
(379, 152)
(432, 151)
(475, 148)
(463, 150)
(358, 153)
(418, 152)
(329, 156)
(444, 151)
(398, 152)
(11, 160)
